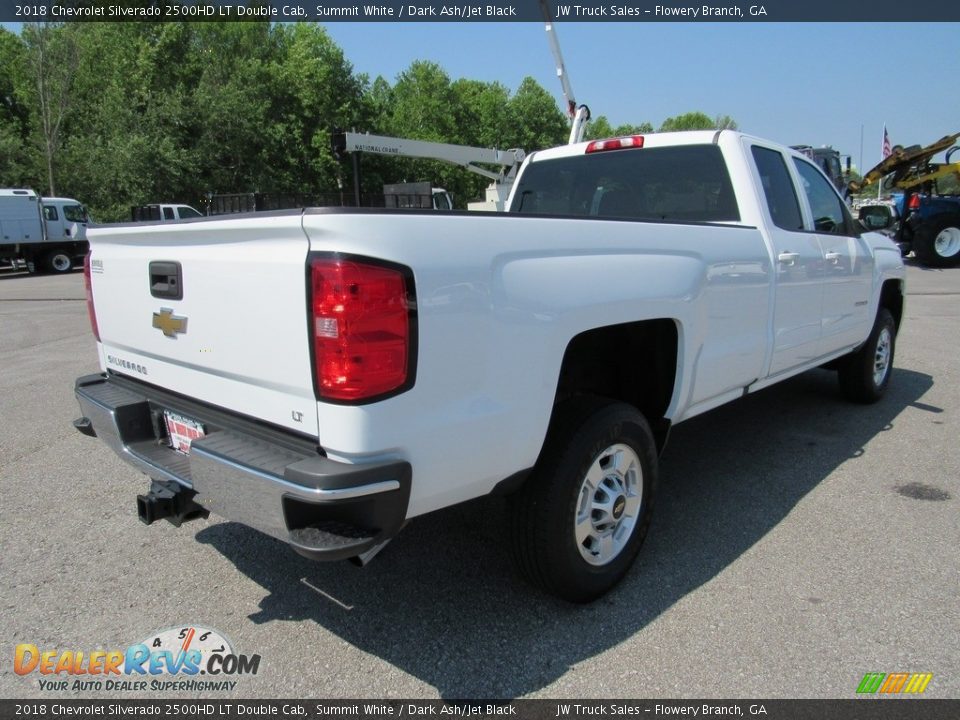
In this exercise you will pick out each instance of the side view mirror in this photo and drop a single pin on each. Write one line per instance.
(877, 217)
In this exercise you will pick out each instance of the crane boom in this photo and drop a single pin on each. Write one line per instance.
(465, 156)
(579, 116)
(462, 155)
(911, 167)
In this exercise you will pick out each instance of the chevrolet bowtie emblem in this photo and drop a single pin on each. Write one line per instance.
(169, 323)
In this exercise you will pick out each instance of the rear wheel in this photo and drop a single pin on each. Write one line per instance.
(581, 518)
(939, 244)
(865, 374)
(58, 261)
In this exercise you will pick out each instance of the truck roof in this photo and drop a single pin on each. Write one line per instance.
(25, 192)
(659, 139)
(60, 200)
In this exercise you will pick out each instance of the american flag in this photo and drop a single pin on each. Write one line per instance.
(886, 144)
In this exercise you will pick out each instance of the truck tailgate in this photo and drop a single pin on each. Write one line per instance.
(238, 336)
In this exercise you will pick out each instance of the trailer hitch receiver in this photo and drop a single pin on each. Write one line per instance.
(169, 500)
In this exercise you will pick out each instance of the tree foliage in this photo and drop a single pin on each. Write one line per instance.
(52, 61)
(121, 114)
(697, 121)
(14, 113)
(601, 128)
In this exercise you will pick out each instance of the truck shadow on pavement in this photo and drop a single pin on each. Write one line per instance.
(444, 604)
(10, 274)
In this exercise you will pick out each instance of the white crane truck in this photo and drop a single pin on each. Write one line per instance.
(326, 376)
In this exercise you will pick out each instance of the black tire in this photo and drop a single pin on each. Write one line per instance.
(862, 379)
(544, 512)
(937, 243)
(58, 262)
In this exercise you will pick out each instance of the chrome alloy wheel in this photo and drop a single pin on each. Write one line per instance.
(947, 242)
(609, 503)
(881, 357)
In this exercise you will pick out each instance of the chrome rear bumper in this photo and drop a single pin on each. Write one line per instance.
(270, 480)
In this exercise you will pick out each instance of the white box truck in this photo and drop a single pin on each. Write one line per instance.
(48, 234)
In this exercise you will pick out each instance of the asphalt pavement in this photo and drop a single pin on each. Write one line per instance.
(799, 542)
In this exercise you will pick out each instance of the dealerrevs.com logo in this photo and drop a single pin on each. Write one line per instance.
(894, 683)
(188, 658)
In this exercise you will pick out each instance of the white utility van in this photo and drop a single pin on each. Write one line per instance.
(49, 234)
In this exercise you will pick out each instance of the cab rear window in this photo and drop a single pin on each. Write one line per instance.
(688, 183)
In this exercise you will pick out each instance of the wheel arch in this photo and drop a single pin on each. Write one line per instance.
(891, 298)
(634, 362)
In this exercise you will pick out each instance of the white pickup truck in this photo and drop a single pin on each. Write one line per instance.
(326, 375)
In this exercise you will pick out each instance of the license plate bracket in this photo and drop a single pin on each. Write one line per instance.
(182, 431)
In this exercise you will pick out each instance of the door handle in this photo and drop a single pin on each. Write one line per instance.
(788, 258)
(832, 257)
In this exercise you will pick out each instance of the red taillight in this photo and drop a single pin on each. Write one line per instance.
(620, 143)
(914, 202)
(361, 329)
(91, 310)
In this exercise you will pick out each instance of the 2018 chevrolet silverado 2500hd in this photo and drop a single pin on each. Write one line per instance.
(325, 376)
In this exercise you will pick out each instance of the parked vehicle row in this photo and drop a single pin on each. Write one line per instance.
(921, 219)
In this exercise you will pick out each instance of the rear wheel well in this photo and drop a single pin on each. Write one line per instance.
(635, 363)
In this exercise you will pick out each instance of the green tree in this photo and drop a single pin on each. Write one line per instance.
(422, 106)
(425, 105)
(377, 101)
(232, 105)
(15, 162)
(129, 139)
(601, 128)
(724, 122)
(153, 112)
(423, 100)
(535, 120)
(697, 121)
(52, 61)
(312, 90)
(480, 108)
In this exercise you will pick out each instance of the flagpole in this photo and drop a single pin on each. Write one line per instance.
(883, 148)
(860, 162)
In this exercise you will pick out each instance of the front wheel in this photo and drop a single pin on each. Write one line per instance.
(865, 374)
(580, 519)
